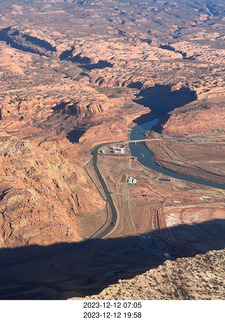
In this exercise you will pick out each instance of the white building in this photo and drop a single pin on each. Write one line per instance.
(131, 180)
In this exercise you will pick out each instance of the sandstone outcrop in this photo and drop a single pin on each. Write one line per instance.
(43, 191)
(199, 118)
(77, 73)
(198, 278)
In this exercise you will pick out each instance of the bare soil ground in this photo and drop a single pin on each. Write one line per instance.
(154, 204)
(195, 158)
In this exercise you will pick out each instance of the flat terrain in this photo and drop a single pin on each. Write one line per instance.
(154, 204)
(186, 156)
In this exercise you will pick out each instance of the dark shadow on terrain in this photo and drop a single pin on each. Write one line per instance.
(84, 62)
(74, 135)
(100, 65)
(170, 48)
(161, 100)
(136, 85)
(66, 54)
(214, 9)
(38, 42)
(148, 41)
(167, 47)
(80, 59)
(25, 42)
(60, 107)
(66, 108)
(68, 270)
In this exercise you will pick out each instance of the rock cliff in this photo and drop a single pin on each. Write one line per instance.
(199, 118)
(198, 278)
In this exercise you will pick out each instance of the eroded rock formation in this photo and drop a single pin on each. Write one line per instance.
(198, 278)
(200, 118)
(91, 67)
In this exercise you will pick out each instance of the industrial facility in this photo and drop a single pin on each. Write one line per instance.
(119, 149)
(131, 181)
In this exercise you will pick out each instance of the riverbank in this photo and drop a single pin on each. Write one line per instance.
(170, 164)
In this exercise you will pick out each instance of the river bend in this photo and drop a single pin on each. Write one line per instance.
(146, 157)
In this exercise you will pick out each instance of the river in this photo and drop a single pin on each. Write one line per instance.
(146, 157)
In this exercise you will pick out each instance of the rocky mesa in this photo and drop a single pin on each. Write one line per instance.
(203, 117)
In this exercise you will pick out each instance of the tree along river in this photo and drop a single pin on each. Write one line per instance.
(146, 157)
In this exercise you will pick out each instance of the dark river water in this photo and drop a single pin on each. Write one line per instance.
(145, 157)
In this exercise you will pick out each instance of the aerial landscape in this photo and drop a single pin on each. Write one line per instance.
(112, 150)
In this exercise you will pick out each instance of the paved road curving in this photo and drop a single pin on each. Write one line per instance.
(109, 200)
